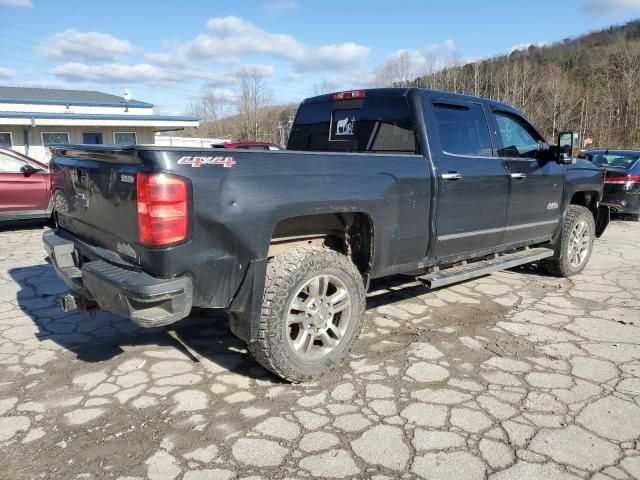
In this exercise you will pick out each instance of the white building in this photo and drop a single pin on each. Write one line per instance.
(197, 142)
(31, 119)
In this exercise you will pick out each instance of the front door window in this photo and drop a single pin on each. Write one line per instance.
(518, 139)
(10, 164)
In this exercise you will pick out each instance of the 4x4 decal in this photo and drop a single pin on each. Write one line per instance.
(226, 162)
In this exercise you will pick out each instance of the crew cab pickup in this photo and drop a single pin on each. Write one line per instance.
(377, 182)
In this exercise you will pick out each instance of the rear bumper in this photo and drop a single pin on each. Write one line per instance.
(148, 301)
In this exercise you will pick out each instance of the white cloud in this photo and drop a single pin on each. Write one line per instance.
(348, 81)
(6, 73)
(17, 3)
(407, 64)
(259, 69)
(293, 77)
(85, 46)
(521, 47)
(328, 57)
(56, 84)
(410, 63)
(234, 37)
(280, 6)
(610, 7)
(131, 74)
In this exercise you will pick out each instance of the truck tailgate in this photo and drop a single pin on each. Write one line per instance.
(94, 194)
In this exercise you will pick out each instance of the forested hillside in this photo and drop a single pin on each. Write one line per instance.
(590, 83)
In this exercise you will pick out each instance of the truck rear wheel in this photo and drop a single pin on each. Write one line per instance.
(573, 247)
(312, 313)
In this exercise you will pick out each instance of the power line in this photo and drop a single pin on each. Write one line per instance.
(48, 64)
(132, 55)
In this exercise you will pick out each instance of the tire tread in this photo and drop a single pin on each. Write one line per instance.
(266, 348)
(558, 265)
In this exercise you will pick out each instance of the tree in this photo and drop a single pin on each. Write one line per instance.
(589, 84)
(212, 106)
(321, 88)
(252, 96)
(400, 70)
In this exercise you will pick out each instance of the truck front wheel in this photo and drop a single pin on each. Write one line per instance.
(574, 245)
(312, 313)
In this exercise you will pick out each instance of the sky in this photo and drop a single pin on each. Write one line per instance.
(166, 52)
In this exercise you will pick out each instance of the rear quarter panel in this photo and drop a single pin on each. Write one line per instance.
(236, 209)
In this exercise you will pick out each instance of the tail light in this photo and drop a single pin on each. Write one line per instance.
(163, 214)
(621, 179)
(348, 95)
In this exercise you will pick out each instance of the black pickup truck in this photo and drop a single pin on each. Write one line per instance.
(373, 183)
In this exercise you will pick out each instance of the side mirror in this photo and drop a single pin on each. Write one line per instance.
(568, 142)
(28, 170)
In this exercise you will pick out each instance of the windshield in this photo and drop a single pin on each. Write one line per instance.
(613, 159)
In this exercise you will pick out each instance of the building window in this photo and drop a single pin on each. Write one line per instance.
(53, 138)
(124, 138)
(5, 139)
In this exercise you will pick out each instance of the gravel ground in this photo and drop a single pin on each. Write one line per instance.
(513, 376)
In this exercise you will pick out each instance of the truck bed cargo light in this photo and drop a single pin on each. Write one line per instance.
(348, 95)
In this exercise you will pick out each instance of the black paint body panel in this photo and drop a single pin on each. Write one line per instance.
(235, 210)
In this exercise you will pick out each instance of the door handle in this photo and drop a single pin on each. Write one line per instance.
(451, 176)
(518, 175)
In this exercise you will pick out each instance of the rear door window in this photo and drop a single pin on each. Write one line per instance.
(462, 129)
(376, 124)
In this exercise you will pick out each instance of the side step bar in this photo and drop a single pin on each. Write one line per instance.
(483, 267)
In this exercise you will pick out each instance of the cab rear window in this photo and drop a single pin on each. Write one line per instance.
(376, 124)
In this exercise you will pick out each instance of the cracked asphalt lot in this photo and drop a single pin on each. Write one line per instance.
(513, 376)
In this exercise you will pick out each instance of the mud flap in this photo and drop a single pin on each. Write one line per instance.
(245, 308)
(602, 219)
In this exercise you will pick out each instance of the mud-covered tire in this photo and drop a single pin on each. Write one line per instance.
(287, 273)
(560, 264)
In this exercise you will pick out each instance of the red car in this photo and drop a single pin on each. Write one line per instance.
(25, 187)
(248, 145)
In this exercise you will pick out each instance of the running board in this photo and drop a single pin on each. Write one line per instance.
(467, 271)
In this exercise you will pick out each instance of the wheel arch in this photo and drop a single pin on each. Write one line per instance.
(586, 198)
(350, 233)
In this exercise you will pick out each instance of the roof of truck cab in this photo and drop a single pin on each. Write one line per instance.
(403, 91)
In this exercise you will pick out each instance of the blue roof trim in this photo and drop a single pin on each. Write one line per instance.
(29, 101)
(98, 116)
